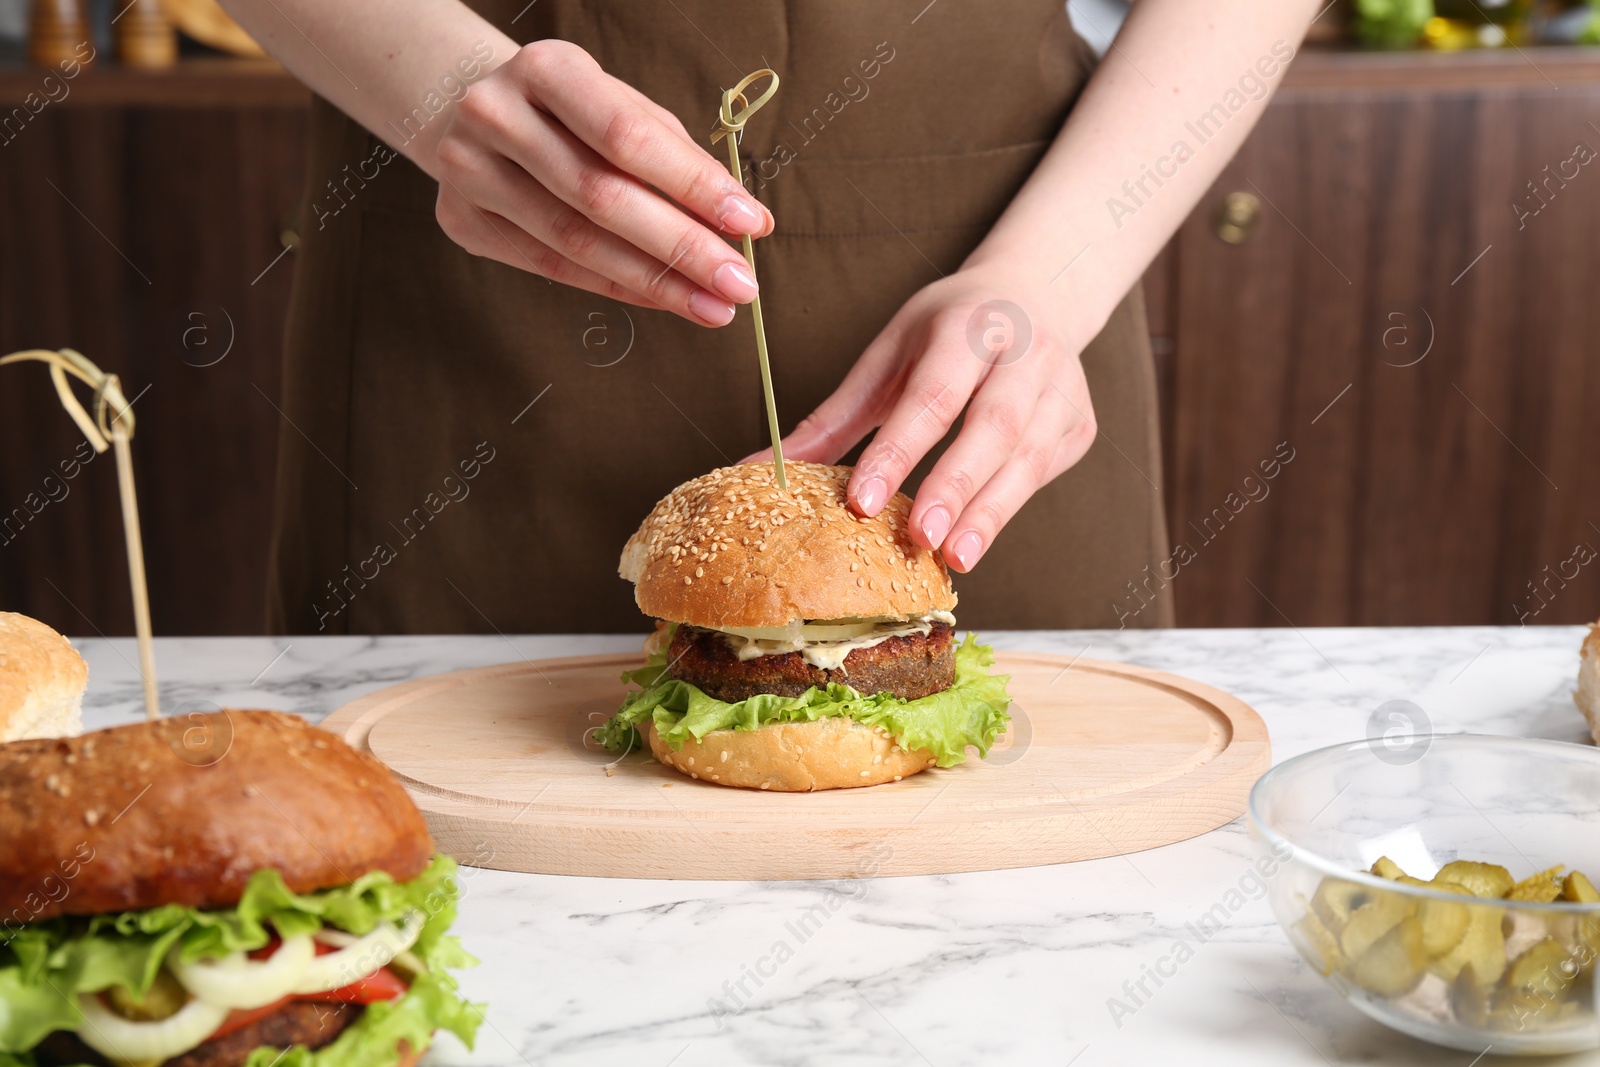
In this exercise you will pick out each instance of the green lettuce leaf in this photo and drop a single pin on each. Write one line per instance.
(971, 712)
(374, 1039)
(45, 965)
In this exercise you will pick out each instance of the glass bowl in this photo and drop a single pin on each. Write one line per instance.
(1465, 971)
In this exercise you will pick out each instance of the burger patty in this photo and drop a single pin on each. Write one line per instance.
(304, 1023)
(909, 666)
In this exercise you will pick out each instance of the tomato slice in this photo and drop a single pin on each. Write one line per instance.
(239, 1018)
(270, 949)
(382, 984)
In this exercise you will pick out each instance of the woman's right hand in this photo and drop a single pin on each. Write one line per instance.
(551, 165)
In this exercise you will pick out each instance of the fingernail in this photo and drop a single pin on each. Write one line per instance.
(872, 494)
(935, 524)
(736, 215)
(710, 308)
(967, 549)
(735, 282)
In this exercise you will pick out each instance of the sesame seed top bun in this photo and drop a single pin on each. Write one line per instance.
(730, 549)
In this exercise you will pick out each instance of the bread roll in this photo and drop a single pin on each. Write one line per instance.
(1587, 695)
(42, 679)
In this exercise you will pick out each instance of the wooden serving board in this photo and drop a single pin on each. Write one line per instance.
(1101, 759)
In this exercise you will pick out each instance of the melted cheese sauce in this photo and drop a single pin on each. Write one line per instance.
(822, 647)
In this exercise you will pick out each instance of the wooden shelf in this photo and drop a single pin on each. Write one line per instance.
(196, 82)
(1340, 69)
(210, 81)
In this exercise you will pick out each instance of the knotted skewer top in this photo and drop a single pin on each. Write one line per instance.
(111, 408)
(730, 123)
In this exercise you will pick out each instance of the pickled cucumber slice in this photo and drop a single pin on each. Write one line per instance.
(1544, 971)
(1444, 922)
(1395, 962)
(1525, 1011)
(1324, 947)
(1542, 887)
(1578, 888)
(1483, 946)
(1372, 920)
(1483, 879)
(1335, 900)
(163, 1000)
(1385, 867)
(1469, 997)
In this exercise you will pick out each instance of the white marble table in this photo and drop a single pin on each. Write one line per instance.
(1010, 967)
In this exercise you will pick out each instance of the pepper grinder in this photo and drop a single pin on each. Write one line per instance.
(57, 30)
(145, 37)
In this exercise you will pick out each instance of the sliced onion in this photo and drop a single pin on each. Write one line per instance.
(407, 963)
(361, 957)
(128, 1041)
(239, 982)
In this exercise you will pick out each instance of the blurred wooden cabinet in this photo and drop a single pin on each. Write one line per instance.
(140, 223)
(1408, 315)
(1413, 314)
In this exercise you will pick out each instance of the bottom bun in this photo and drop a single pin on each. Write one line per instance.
(794, 757)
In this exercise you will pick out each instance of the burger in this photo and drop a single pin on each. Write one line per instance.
(42, 679)
(238, 889)
(799, 646)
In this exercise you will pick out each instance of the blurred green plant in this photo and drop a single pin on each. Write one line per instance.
(1393, 23)
(1590, 34)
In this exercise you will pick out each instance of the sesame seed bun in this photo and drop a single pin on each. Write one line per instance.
(729, 549)
(793, 757)
(42, 679)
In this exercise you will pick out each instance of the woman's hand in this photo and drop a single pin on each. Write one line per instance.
(551, 165)
(978, 341)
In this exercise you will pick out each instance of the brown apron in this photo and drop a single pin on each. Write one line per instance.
(467, 446)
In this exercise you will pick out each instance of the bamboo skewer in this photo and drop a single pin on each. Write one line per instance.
(113, 419)
(731, 126)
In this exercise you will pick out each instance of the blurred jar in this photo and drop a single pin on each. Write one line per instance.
(1563, 22)
(1459, 24)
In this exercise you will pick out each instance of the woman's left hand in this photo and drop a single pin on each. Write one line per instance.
(979, 341)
